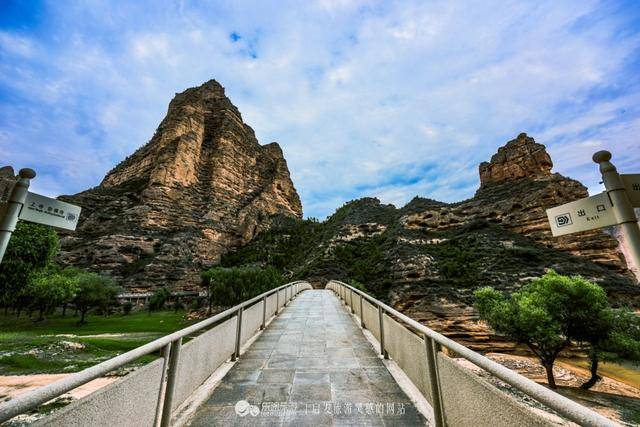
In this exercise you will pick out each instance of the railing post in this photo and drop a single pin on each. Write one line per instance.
(236, 353)
(351, 300)
(432, 360)
(382, 350)
(174, 357)
(166, 351)
(277, 301)
(361, 313)
(264, 313)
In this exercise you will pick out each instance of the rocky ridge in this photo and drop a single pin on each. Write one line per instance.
(428, 257)
(202, 185)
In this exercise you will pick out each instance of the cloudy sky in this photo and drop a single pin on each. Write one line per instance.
(367, 98)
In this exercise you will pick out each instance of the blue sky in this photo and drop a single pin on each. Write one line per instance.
(367, 98)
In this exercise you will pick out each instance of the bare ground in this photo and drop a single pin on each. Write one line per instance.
(610, 397)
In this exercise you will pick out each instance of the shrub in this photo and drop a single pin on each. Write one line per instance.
(159, 299)
(49, 289)
(127, 307)
(358, 285)
(231, 286)
(94, 291)
(178, 305)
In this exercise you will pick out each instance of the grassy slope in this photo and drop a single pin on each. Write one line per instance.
(48, 346)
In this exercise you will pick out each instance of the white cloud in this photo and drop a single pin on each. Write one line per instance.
(366, 98)
(15, 44)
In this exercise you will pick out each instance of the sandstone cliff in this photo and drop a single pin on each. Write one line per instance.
(202, 185)
(516, 188)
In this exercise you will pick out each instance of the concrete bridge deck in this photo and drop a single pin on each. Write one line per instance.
(311, 366)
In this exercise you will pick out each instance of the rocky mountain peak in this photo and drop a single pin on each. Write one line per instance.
(519, 158)
(201, 186)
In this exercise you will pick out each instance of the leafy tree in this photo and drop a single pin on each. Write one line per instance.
(231, 286)
(357, 285)
(621, 342)
(94, 291)
(521, 319)
(158, 299)
(49, 289)
(31, 248)
(547, 314)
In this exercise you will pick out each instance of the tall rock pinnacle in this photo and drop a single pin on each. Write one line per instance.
(201, 186)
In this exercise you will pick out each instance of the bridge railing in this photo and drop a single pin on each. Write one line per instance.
(458, 397)
(150, 395)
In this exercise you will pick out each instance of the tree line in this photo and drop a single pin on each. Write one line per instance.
(31, 282)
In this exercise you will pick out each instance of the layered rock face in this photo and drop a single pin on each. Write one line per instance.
(202, 185)
(517, 186)
(516, 189)
(519, 158)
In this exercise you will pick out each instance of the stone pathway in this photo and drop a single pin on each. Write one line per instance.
(312, 366)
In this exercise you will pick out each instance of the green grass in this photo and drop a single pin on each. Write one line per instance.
(29, 362)
(161, 322)
(28, 347)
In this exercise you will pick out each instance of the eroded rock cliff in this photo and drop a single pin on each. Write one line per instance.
(202, 185)
(516, 188)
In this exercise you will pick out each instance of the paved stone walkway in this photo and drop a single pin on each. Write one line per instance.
(312, 366)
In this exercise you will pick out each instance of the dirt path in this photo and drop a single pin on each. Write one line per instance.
(14, 385)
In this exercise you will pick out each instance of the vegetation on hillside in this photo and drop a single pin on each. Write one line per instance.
(231, 286)
(464, 258)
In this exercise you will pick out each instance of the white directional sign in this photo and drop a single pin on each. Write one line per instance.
(48, 211)
(582, 215)
(632, 185)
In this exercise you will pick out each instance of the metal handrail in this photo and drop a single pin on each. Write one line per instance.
(564, 406)
(27, 401)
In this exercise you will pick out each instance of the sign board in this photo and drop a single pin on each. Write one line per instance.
(582, 215)
(631, 183)
(48, 211)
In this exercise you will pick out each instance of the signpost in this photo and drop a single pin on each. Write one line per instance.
(48, 211)
(582, 215)
(26, 206)
(632, 185)
(614, 206)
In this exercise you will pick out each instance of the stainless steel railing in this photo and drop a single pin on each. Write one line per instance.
(170, 346)
(434, 341)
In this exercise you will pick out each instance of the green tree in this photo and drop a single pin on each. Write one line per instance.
(621, 342)
(231, 286)
(547, 314)
(49, 289)
(522, 319)
(94, 291)
(31, 248)
(158, 299)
